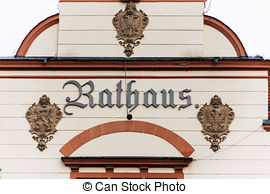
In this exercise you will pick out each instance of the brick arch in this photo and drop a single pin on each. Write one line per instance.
(35, 32)
(127, 126)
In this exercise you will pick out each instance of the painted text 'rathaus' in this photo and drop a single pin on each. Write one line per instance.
(132, 97)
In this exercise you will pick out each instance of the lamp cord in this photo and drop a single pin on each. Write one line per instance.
(208, 8)
(126, 84)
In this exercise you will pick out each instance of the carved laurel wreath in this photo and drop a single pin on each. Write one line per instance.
(215, 119)
(130, 25)
(43, 118)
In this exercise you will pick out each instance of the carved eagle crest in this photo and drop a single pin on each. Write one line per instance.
(43, 118)
(215, 119)
(130, 25)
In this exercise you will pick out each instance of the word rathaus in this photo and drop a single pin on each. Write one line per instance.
(132, 97)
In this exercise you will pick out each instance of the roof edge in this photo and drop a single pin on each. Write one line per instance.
(137, 64)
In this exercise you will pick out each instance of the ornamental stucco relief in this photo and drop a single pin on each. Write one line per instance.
(43, 118)
(130, 25)
(215, 119)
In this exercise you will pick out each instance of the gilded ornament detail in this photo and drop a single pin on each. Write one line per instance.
(130, 25)
(43, 118)
(215, 119)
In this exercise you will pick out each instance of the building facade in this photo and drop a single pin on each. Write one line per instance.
(148, 89)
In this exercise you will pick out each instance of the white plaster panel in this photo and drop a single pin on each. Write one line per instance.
(127, 144)
(30, 151)
(45, 44)
(216, 44)
(26, 175)
(254, 138)
(229, 167)
(173, 123)
(236, 98)
(232, 152)
(150, 37)
(30, 166)
(150, 8)
(225, 176)
(139, 51)
(126, 170)
(161, 170)
(92, 169)
(244, 111)
(13, 138)
(80, 23)
(196, 85)
(227, 152)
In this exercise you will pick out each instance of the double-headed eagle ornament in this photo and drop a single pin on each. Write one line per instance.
(43, 118)
(215, 119)
(130, 25)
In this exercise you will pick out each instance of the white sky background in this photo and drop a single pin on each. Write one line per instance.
(249, 19)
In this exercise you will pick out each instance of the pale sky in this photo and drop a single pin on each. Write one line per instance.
(249, 19)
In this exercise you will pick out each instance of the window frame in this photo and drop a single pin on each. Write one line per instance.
(143, 163)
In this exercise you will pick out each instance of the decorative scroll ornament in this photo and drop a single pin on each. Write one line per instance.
(130, 25)
(43, 118)
(215, 119)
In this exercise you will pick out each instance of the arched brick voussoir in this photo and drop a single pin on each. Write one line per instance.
(35, 32)
(127, 126)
